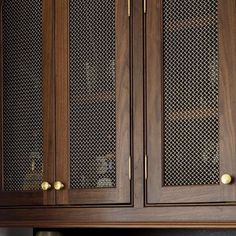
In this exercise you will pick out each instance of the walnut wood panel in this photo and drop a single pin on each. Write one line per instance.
(137, 95)
(181, 216)
(49, 99)
(120, 194)
(38, 197)
(156, 193)
(62, 87)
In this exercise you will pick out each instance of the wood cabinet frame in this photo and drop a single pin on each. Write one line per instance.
(139, 213)
(156, 192)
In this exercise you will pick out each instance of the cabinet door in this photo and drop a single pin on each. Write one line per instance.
(93, 101)
(191, 100)
(27, 147)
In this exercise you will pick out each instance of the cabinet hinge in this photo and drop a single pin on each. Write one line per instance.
(145, 167)
(130, 168)
(144, 6)
(128, 7)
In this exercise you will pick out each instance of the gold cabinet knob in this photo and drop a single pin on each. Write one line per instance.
(45, 186)
(58, 185)
(226, 179)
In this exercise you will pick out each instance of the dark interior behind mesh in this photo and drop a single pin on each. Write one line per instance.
(92, 94)
(191, 123)
(22, 95)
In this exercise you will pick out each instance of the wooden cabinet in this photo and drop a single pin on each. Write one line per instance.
(129, 119)
(66, 102)
(191, 85)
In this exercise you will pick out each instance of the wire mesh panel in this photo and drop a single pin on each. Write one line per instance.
(22, 95)
(92, 94)
(191, 123)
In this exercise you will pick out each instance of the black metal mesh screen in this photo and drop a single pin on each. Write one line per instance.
(92, 94)
(22, 95)
(191, 127)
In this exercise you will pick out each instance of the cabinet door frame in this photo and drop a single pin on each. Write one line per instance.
(40, 197)
(121, 193)
(156, 193)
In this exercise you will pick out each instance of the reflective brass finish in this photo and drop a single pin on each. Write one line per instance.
(45, 186)
(58, 185)
(129, 167)
(128, 7)
(145, 167)
(226, 179)
(145, 6)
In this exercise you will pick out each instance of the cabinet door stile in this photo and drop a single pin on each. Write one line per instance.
(49, 107)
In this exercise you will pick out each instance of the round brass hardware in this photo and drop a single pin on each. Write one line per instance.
(226, 179)
(45, 186)
(58, 185)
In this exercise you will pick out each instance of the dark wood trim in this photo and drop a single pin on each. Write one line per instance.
(227, 95)
(48, 100)
(192, 216)
(138, 131)
(131, 102)
(62, 95)
(23, 198)
(154, 98)
(145, 67)
(123, 106)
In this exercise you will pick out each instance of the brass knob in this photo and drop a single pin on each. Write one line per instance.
(58, 185)
(226, 179)
(45, 186)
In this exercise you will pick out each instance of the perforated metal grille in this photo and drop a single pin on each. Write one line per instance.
(92, 94)
(191, 127)
(22, 95)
